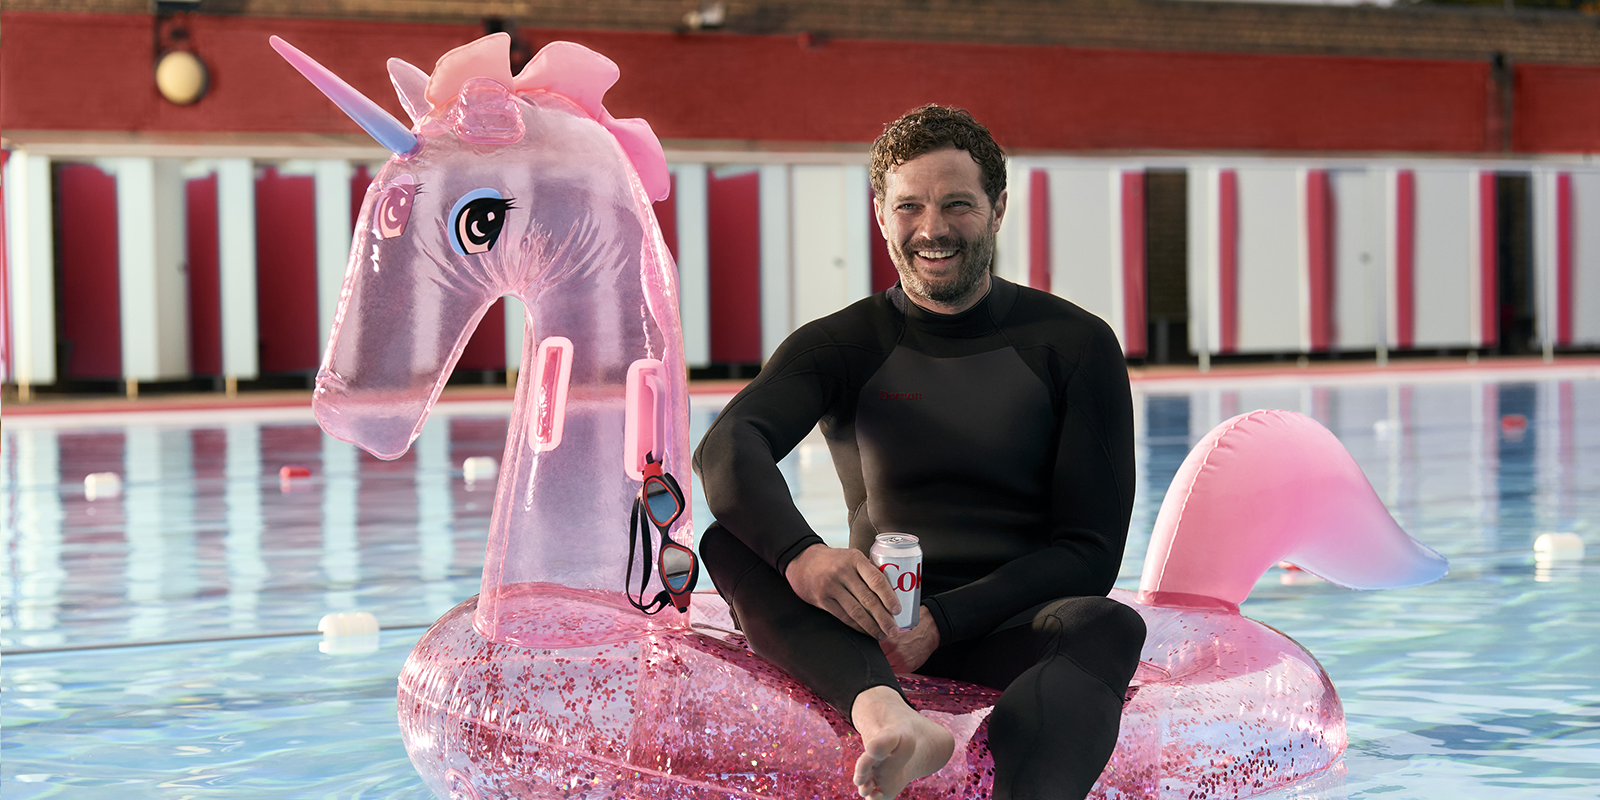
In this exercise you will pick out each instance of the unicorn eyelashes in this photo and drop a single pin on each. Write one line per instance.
(393, 209)
(476, 221)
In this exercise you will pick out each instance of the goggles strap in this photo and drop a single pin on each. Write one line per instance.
(633, 541)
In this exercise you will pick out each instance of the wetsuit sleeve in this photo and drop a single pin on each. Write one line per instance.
(737, 461)
(1092, 502)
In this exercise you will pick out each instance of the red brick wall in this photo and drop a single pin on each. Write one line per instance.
(768, 88)
(1557, 109)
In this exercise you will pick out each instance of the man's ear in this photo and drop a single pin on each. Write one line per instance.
(999, 211)
(877, 215)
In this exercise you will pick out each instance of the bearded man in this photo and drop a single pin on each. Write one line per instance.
(992, 421)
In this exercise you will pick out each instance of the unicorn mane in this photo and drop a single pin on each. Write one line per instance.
(568, 70)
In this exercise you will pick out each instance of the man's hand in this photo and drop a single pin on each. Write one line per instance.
(842, 582)
(908, 650)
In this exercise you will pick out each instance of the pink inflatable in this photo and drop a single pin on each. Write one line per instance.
(550, 683)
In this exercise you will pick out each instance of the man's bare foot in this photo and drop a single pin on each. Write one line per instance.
(900, 744)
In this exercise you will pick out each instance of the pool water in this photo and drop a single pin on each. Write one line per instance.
(161, 643)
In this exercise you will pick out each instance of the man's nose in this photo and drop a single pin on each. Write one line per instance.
(932, 224)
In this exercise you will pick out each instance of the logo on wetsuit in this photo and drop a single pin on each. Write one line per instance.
(883, 395)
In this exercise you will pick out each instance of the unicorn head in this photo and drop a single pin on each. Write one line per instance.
(523, 186)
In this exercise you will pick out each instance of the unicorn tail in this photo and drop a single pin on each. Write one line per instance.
(1272, 486)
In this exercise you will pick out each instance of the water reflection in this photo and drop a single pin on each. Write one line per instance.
(242, 515)
(1167, 438)
(205, 538)
(1487, 677)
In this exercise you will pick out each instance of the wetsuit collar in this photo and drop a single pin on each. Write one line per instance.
(983, 318)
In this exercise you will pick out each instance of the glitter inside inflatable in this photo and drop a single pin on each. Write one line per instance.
(550, 684)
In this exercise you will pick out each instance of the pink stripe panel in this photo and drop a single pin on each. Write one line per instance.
(1039, 230)
(286, 274)
(1488, 258)
(89, 272)
(1564, 258)
(1318, 262)
(883, 272)
(360, 180)
(485, 351)
(733, 238)
(1228, 258)
(5, 286)
(1405, 191)
(1133, 266)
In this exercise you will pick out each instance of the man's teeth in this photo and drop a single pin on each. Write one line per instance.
(930, 254)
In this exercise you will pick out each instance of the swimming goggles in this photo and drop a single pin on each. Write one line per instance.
(660, 501)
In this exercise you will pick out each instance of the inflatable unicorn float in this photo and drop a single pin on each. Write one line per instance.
(551, 683)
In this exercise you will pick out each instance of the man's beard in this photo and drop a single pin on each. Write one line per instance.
(975, 256)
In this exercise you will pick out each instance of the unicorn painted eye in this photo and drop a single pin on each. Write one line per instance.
(476, 221)
(394, 207)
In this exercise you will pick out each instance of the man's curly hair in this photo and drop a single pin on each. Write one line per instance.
(934, 127)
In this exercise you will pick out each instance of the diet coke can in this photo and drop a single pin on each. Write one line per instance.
(899, 557)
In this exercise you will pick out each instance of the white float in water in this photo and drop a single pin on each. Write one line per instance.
(1553, 547)
(102, 485)
(348, 633)
(480, 468)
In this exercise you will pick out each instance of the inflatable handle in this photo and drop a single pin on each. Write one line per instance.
(644, 423)
(552, 370)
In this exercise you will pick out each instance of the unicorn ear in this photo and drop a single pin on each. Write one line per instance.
(411, 84)
(488, 57)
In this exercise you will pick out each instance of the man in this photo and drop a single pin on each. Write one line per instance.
(992, 421)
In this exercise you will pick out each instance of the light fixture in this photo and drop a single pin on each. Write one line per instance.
(181, 77)
(710, 16)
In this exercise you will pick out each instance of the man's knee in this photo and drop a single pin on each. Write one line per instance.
(724, 556)
(715, 542)
(755, 592)
(1101, 635)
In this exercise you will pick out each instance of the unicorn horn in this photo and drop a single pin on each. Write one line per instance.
(380, 124)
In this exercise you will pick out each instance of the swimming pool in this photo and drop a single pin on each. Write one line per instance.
(156, 643)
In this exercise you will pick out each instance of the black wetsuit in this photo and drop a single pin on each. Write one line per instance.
(1003, 438)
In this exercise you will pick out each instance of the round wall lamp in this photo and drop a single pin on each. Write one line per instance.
(181, 77)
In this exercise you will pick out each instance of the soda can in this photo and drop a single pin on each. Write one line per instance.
(898, 556)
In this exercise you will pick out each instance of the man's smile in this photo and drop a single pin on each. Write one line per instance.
(934, 254)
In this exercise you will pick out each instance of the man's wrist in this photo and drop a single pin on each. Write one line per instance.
(933, 627)
(941, 621)
(800, 555)
(793, 552)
